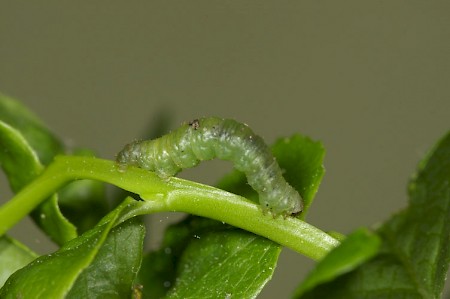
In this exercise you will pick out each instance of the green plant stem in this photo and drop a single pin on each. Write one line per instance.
(173, 194)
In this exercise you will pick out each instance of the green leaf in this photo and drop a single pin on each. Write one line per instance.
(415, 254)
(201, 258)
(357, 248)
(420, 236)
(84, 197)
(50, 219)
(116, 265)
(13, 256)
(40, 139)
(53, 275)
(21, 165)
(28, 145)
(302, 162)
(18, 160)
(232, 263)
(158, 270)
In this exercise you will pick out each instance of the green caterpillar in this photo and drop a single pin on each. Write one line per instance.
(225, 139)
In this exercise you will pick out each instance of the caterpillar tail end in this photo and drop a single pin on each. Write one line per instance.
(286, 202)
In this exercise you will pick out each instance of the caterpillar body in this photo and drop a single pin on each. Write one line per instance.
(225, 139)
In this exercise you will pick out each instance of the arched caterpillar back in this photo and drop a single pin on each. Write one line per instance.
(225, 139)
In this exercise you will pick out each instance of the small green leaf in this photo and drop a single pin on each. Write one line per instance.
(40, 139)
(53, 275)
(50, 219)
(415, 253)
(116, 265)
(158, 270)
(302, 162)
(201, 258)
(18, 160)
(83, 197)
(357, 248)
(225, 264)
(26, 146)
(13, 256)
(21, 165)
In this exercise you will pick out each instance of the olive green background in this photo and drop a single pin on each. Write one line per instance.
(370, 79)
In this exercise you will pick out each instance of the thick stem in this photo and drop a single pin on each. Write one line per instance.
(171, 195)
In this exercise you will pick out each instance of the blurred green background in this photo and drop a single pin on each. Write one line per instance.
(370, 79)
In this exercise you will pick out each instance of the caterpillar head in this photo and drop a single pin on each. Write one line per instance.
(282, 200)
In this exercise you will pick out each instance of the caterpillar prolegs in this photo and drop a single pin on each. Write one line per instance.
(225, 139)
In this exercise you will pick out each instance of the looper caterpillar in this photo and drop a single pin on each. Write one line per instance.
(225, 139)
